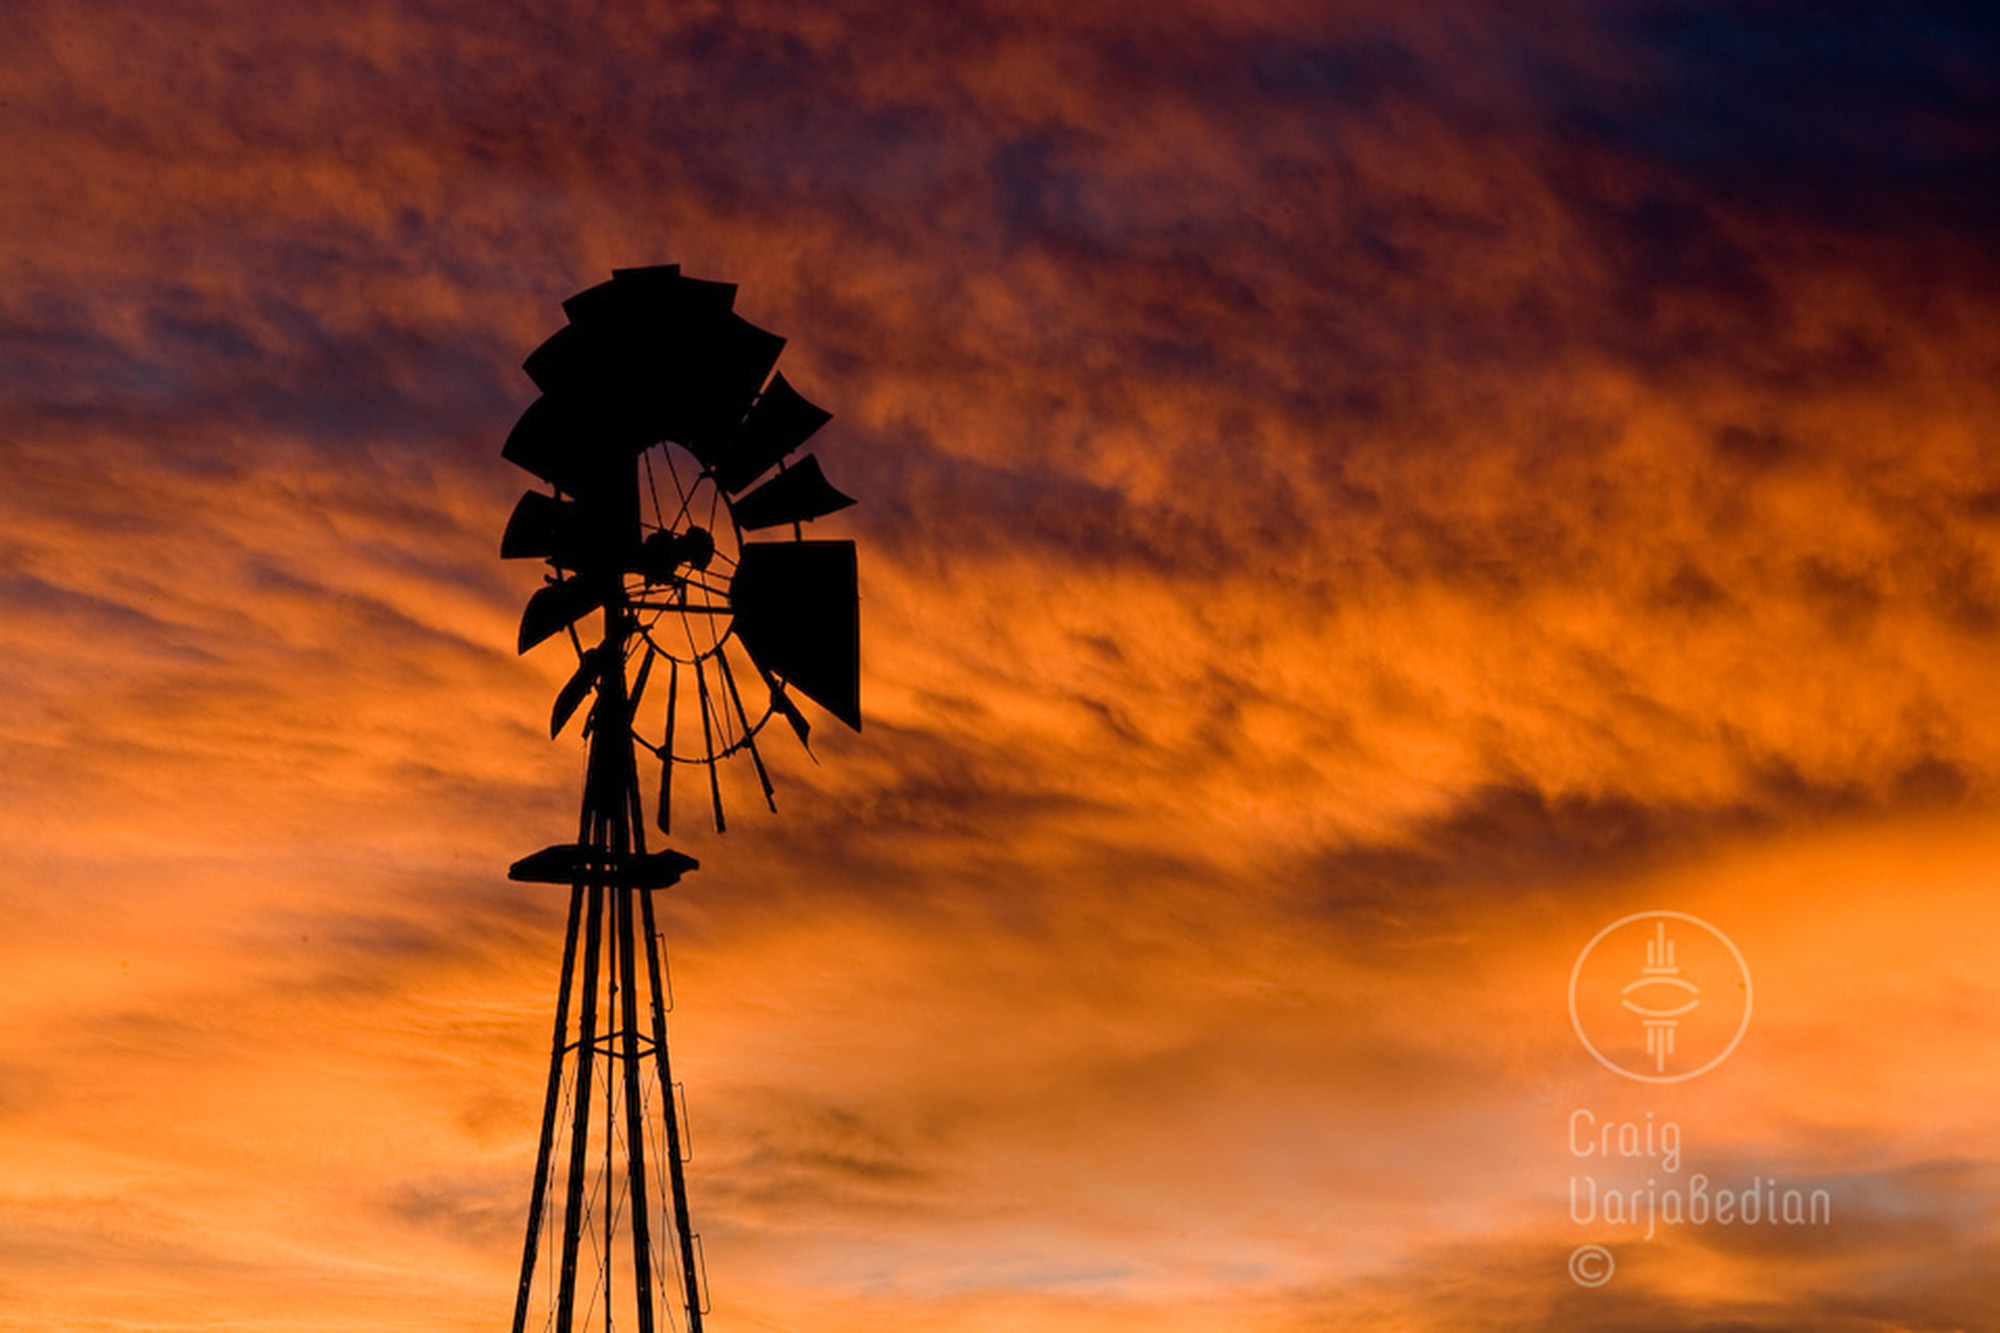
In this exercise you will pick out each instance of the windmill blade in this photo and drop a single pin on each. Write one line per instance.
(780, 422)
(574, 692)
(720, 376)
(539, 442)
(575, 444)
(606, 298)
(796, 495)
(597, 301)
(665, 816)
(571, 361)
(577, 535)
(647, 303)
(555, 607)
(662, 287)
(708, 725)
(610, 353)
(596, 374)
(541, 527)
(749, 731)
(614, 377)
(638, 691)
(797, 609)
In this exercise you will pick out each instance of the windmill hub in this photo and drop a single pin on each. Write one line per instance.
(662, 555)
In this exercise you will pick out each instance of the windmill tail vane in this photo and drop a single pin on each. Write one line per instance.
(670, 449)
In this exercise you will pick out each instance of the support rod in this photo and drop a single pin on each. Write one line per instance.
(538, 1199)
(635, 1135)
(579, 1142)
(677, 1175)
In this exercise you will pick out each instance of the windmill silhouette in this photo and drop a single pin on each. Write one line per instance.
(659, 415)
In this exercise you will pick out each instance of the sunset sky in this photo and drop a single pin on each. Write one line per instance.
(1355, 498)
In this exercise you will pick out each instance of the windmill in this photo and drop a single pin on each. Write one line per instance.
(675, 521)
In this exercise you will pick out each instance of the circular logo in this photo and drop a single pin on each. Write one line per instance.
(1591, 1266)
(1660, 997)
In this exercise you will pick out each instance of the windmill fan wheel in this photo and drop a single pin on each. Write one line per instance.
(676, 507)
